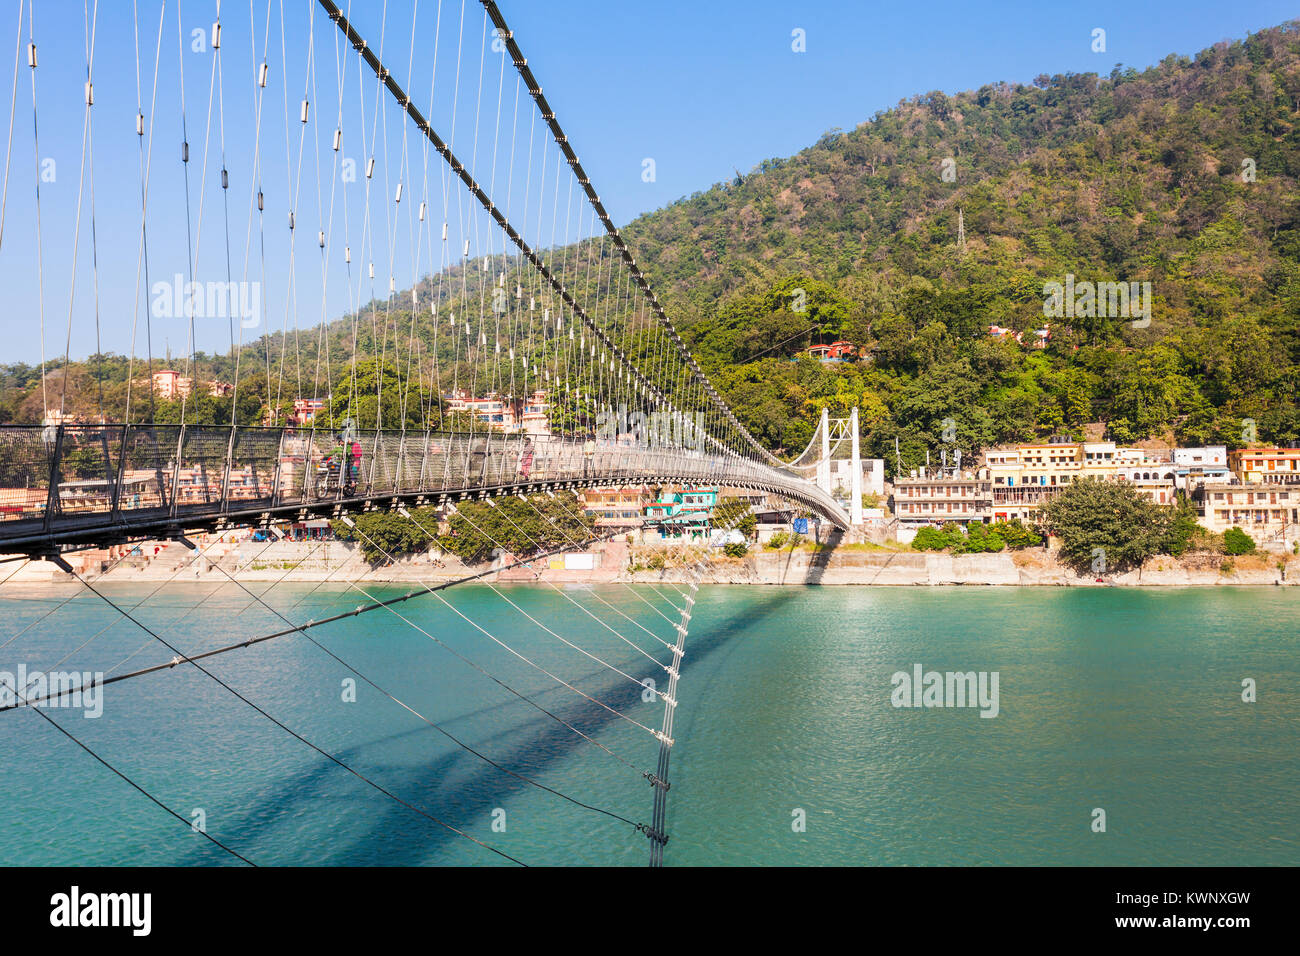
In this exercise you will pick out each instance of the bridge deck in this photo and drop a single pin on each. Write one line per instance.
(75, 485)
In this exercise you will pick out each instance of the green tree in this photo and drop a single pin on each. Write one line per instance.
(385, 534)
(376, 397)
(1101, 519)
(521, 527)
(1183, 527)
(734, 513)
(572, 412)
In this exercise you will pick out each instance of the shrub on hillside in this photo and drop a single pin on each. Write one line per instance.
(930, 539)
(980, 539)
(1016, 535)
(778, 540)
(1236, 541)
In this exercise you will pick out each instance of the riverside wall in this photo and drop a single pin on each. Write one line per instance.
(341, 562)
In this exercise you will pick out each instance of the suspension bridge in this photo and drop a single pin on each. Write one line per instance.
(467, 269)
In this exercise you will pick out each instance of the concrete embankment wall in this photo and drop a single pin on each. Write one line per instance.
(342, 562)
(306, 562)
(912, 568)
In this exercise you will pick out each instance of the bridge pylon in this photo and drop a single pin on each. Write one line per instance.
(824, 462)
(833, 435)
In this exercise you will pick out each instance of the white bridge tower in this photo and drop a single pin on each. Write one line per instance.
(833, 434)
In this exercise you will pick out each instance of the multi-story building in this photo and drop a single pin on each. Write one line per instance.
(1026, 477)
(533, 416)
(1269, 464)
(1195, 466)
(1099, 458)
(1029, 475)
(685, 512)
(1010, 497)
(1267, 511)
(305, 410)
(946, 495)
(1023, 478)
(508, 414)
(171, 384)
(615, 507)
(1150, 473)
(1060, 457)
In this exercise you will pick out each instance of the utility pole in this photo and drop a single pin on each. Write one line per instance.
(855, 479)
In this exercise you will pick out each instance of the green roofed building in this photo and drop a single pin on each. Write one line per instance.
(682, 513)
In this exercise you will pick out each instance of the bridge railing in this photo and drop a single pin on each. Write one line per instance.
(73, 475)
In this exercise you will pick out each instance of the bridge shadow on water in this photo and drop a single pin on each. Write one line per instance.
(456, 786)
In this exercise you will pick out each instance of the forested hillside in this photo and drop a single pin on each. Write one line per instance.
(1184, 175)
(1132, 177)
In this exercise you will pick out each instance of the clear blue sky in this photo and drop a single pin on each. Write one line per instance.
(703, 89)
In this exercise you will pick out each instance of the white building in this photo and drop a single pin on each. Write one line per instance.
(1151, 473)
(1195, 466)
(873, 476)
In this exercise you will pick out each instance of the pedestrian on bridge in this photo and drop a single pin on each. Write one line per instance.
(355, 467)
(478, 455)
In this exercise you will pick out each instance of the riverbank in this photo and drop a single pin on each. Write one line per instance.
(1032, 567)
(247, 561)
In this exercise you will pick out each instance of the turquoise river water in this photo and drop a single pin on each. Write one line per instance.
(788, 747)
